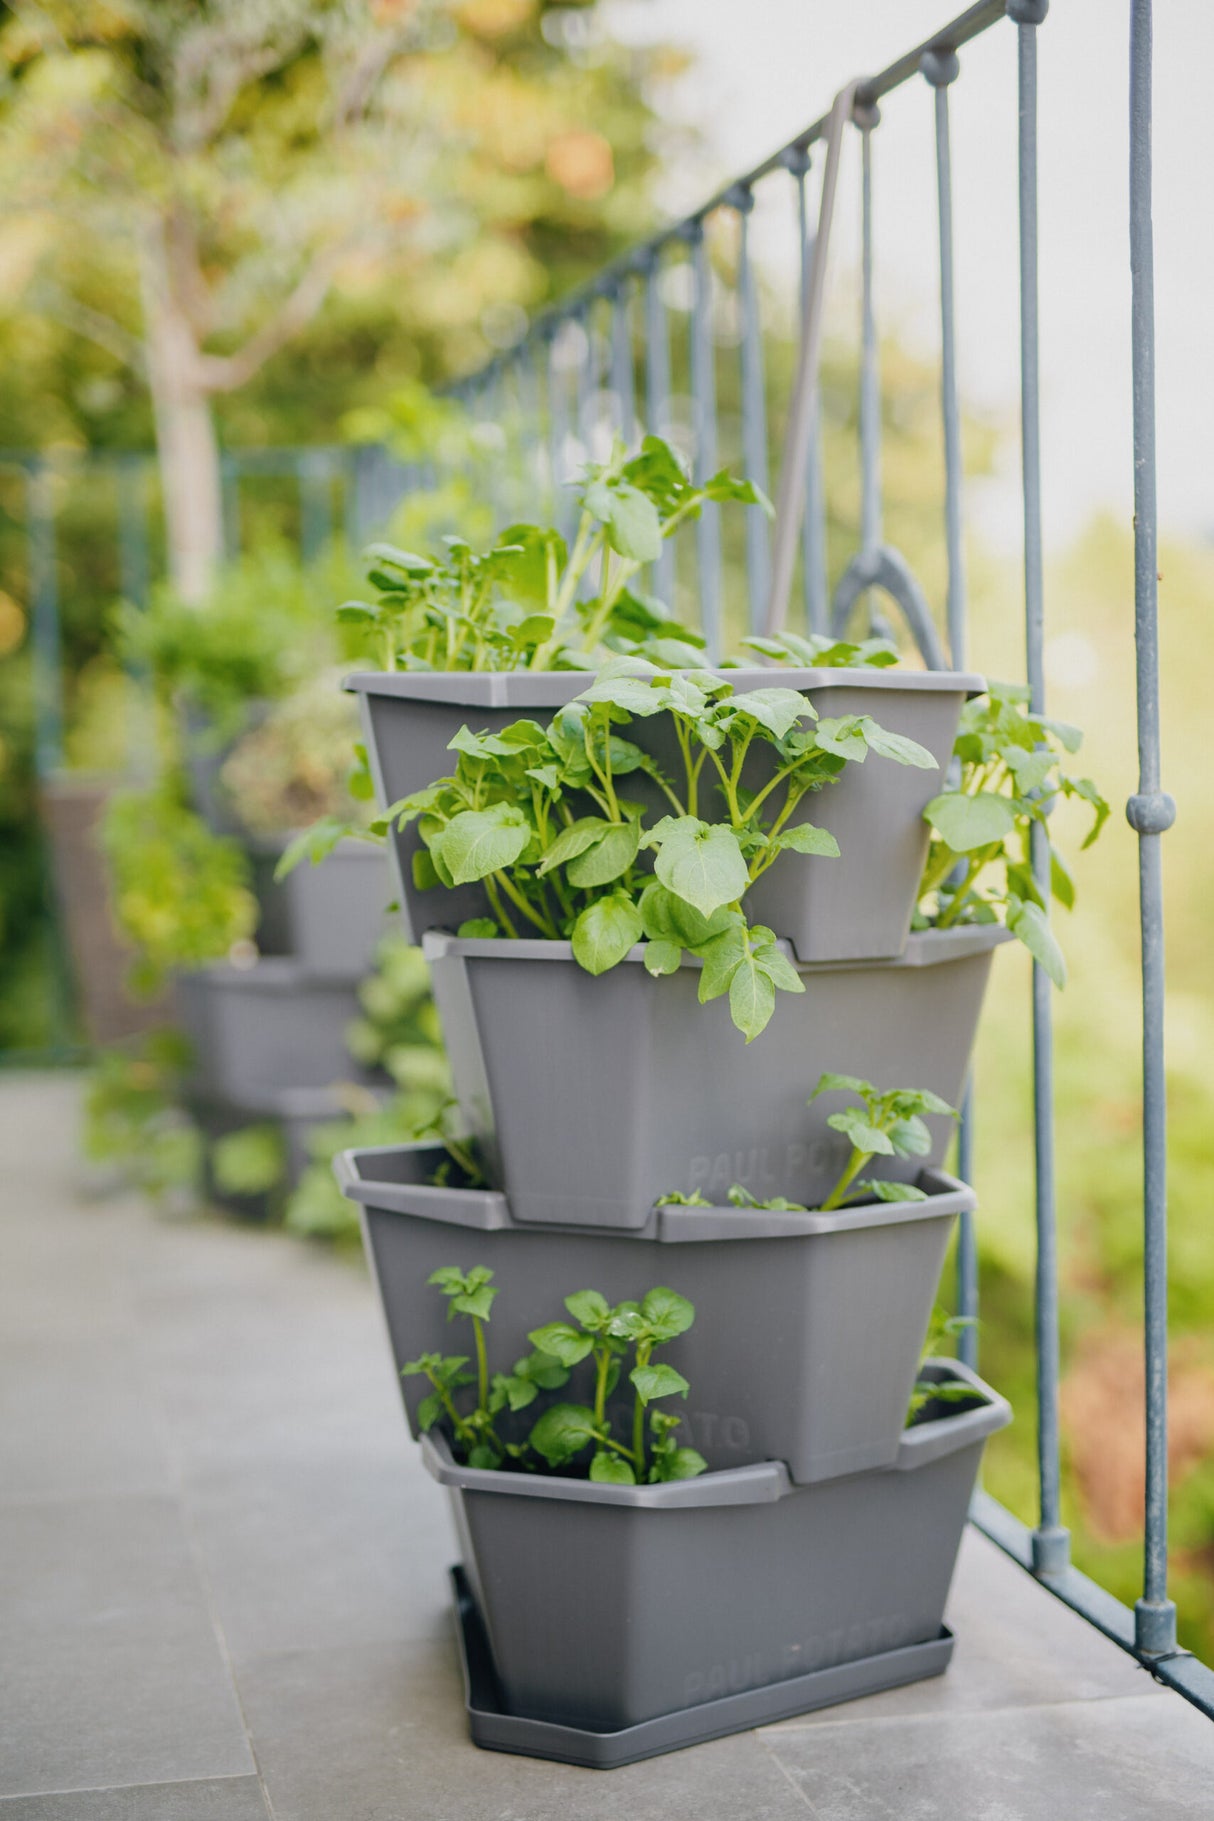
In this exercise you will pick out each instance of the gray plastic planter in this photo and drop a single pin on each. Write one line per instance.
(607, 1607)
(808, 1327)
(261, 1029)
(336, 911)
(593, 1097)
(493, 1728)
(855, 907)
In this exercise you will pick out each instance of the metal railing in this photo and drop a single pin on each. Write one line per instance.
(604, 362)
(575, 411)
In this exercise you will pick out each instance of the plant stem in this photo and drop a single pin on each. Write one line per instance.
(491, 892)
(602, 1368)
(544, 924)
(482, 1367)
(644, 1348)
(856, 1164)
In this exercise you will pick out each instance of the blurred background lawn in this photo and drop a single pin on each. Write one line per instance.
(537, 148)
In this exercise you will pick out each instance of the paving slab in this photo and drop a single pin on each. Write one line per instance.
(223, 1576)
(215, 1799)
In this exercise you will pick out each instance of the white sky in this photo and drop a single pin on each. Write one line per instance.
(766, 69)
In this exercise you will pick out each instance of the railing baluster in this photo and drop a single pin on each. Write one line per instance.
(558, 428)
(1051, 1542)
(315, 480)
(1150, 812)
(657, 399)
(704, 405)
(754, 415)
(813, 524)
(866, 118)
(44, 615)
(587, 381)
(621, 363)
(942, 68)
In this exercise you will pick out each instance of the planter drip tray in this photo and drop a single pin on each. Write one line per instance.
(494, 1729)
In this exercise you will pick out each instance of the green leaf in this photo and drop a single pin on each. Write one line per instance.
(425, 874)
(353, 613)
(611, 1470)
(477, 928)
(662, 957)
(829, 1083)
(1061, 884)
(577, 839)
(633, 526)
(778, 968)
(1030, 769)
(476, 1302)
(683, 1464)
(636, 695)
(721, 957)
(589, 1307)
(844, 736)
(562, 1432)
(561, 1342)
(429, 1411)
(395, 558)
(650, 1382)
(605, 931)
(778, 710)
(1029, 924)
(478, 842)
(484, 1456)
(752, 996)
(804, 838)
(896, 746)
(863, 1135)
(315, 843)
(910, 1137)
(701, 863)
(667, 1313)
(969, 822)
(893, 1191)
(609, 858)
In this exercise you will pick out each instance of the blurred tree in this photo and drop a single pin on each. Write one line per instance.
(193, 184)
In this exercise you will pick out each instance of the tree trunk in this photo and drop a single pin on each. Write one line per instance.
(185, 438)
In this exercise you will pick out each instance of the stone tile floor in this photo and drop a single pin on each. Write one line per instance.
(223, 1592)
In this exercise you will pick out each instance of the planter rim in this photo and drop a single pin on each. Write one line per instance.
(268, 974)
(924, 948)
(761, 1484)
(488, 1210)
(553, 688)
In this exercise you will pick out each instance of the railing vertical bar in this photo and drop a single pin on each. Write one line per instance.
(704, 405)
(621, 362)
(967, 1238)
(315, 501)
(134, 566)
(657, 400)
(813, 524)
(942, 68)
(45, 637)
(870, 377)
(587, 381)
(558, 429)
(1150, 813)
(1051, 1542)
(754, 415)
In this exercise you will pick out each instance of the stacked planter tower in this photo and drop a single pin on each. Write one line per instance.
(268, 1036)
(602, 1623)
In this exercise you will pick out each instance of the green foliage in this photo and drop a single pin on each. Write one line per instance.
(740, 1197)
(527, 603)
(618, 1342)
(261, 634)
(942, 1331)
(398, 1030)
(540, 816)
(180, 893)
(980, 858)
(250, 1161)
(132, 1116)
(293, 768)
(817, 652)
(885, 1124)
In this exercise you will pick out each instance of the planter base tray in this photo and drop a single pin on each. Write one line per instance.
(495, 1730)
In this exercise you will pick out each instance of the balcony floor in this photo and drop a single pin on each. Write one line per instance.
(223, 1577)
